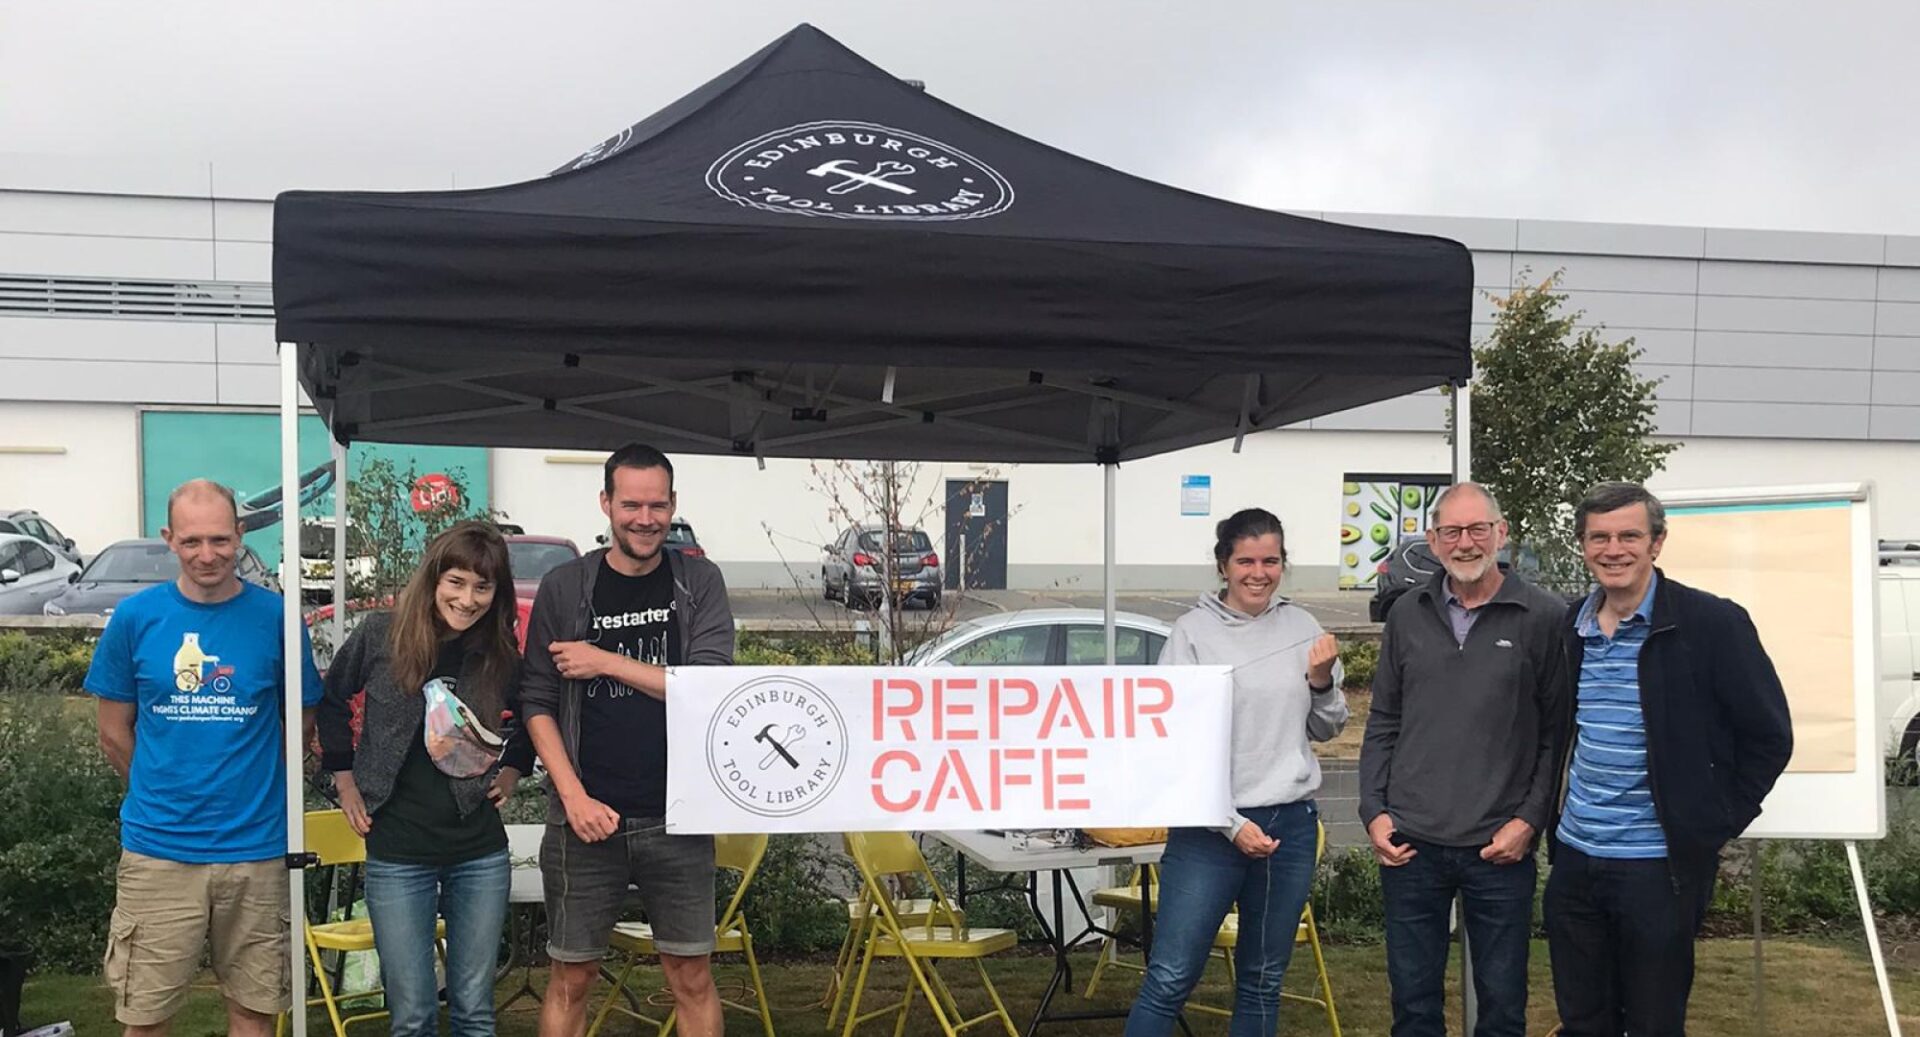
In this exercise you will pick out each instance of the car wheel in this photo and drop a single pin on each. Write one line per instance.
(826, 589)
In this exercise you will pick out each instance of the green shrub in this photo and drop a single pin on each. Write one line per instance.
(1348, 905)
(45, 663)
(1358, 659)
(792, 907)
(59, 842)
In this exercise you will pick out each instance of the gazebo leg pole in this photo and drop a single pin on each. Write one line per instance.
(340, 558)
(1463, 432)
(291, 647)
(1111, 473)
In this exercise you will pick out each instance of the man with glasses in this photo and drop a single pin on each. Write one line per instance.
(1456, 772)
(1679, 731)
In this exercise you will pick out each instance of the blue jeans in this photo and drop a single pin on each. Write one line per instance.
(402, 901)
(1499, 920)
(1202, 876)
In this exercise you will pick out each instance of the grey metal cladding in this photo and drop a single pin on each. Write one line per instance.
(1779, 420)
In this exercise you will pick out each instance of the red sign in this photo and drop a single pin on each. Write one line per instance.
(434, 491)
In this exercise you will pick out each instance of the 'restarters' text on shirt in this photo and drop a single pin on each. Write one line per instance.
(623, 731)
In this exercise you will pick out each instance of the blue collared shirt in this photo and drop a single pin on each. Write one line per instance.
(1609, 809)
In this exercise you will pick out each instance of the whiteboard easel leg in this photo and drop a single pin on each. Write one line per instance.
(1873, 938)
(1759, 960)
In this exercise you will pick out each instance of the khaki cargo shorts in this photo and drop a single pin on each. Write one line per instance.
(165, 913)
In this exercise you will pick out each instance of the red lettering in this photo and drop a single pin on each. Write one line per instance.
(1161, 705)
(884, 708)
(879, 778)
(955, 765)
(1065, 696)
(1069, 778)
(997, 708)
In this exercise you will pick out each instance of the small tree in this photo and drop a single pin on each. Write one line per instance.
(1557, 409)
(391, 515)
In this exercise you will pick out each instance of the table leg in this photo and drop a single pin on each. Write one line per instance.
(520, 949)
(960, 879)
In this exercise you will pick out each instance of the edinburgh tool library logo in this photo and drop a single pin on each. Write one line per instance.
(859, 171)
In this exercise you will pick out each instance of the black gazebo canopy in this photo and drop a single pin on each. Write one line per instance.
(808, 257)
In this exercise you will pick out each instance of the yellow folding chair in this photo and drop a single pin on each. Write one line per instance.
(860, 915)
(334, 842)
(878, 856)
(1127, 898)
(740, 853)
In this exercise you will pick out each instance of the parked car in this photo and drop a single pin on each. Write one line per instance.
(1046, 637)
(854, 568)
(27, 522)
(532, 557)
(316, 559)
(128, 567)
(31, 574)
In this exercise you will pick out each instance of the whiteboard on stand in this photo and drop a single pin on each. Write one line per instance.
(1803, 561)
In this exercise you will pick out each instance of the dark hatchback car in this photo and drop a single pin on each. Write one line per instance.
(128, 567)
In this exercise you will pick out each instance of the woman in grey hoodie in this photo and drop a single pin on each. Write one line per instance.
(1286, 691)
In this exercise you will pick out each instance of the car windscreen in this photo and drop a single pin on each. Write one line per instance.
(133, 563)
(531, 561)
(680, 533)
(905, 541)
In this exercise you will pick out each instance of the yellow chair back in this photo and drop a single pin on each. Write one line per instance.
(741, 853)
(332, 839)
(885, 854)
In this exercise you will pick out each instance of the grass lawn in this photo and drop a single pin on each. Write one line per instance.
(1812, 987)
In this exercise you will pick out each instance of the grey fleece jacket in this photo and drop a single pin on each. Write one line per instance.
(1274, 714)
(563, 611)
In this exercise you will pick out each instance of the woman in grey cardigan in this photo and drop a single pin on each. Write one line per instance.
(424, 784)
(1286, 691)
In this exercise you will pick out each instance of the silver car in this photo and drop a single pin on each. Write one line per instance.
(855, 568)
(1046, 637)
(31, 523)
(31, 574)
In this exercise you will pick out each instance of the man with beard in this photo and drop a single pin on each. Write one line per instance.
(603, 633)
(1456, 772)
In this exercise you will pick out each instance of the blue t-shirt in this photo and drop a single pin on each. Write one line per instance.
(208, 782)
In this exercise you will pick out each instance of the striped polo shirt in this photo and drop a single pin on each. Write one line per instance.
(1609, 809)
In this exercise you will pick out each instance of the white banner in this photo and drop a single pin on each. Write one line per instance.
(855, 748)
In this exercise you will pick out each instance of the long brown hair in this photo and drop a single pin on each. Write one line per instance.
(417, 626)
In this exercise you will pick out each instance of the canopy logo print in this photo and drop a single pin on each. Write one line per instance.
(777, 746)
(606, 149)
(859, 171)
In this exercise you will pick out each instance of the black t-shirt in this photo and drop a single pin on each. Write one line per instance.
(420, 823)
(623, 731)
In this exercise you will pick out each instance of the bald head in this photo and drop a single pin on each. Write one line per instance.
(201, 492)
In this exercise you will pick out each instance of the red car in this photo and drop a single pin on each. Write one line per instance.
(532, 558)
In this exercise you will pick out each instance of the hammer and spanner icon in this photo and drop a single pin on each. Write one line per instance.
(855, 180)
(779, 746)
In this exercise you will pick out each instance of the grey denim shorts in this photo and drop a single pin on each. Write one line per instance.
(586, 888)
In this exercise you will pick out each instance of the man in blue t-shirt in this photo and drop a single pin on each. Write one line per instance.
(189, 677)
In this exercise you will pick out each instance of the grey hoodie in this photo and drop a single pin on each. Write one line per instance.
(1274, 714)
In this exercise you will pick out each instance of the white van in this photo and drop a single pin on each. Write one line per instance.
(1899, 702)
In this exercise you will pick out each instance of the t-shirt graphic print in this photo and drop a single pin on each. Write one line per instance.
(623, 731)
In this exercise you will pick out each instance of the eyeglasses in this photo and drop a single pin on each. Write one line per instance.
(1476, 530)
(1628, 538)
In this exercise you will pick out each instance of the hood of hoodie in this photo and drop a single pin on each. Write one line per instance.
(1230, 616)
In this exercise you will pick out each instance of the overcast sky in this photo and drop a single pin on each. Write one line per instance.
(1741, 114)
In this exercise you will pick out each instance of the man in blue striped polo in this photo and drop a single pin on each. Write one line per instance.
(1680, 728)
